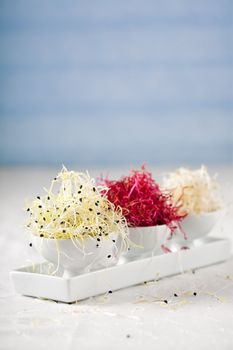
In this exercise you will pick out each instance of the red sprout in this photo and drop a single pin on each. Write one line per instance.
(142, 201)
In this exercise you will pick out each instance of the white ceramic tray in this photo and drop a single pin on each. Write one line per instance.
(37, 280)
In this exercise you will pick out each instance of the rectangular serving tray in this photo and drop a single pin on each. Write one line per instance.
(37, 280)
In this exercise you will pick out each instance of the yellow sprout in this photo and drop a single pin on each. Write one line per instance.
(193, 190)
(74, 207)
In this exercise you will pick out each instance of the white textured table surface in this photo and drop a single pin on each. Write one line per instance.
(133, 318)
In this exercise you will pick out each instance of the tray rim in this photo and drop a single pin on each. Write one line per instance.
(211, 240)
(86, 285)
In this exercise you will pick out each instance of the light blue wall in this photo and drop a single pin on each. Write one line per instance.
(116, 82)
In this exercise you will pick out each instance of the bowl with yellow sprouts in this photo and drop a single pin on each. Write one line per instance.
(195, 192)
(74, 226)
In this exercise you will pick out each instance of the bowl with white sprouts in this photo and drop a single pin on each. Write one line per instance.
(74, 226)
(195, 192)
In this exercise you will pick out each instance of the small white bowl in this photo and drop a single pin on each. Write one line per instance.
(196, 226)
(146, 240)
(78, 256)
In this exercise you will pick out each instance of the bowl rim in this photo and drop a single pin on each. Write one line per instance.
(206, 213)
(67, 239)
(138, 227)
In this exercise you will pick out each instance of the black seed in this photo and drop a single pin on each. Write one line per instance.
(97, 245)
(165, 301)
(48, 198)
(28, 209)
(86, 228)
(55, 178)
(41, 226)
(98, 213)
(110, 291)
(109, 256)
(44, 218)
(96, 204)
(175, 295)
(47, 211)
(90, 209)
(39, 206)
(64, 209)
(194, 293)
(41, 235)
(100, 227)
(98, 239)
(79, 192)
(117, 222)
(80, 199)
(30, 244)
(38, 197)
(54, 219)
(113, 240)
(36, 221)
(62, 222)
(64, 231)
(94, 189)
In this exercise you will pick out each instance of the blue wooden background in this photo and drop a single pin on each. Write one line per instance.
(116, 82)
